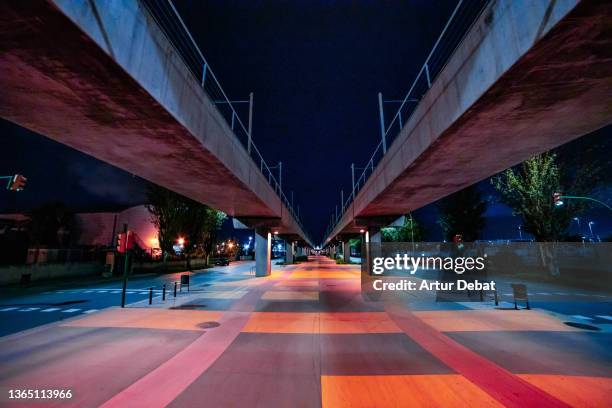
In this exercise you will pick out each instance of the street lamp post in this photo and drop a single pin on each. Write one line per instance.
(578, 222)
(591, 229)
(558, 200)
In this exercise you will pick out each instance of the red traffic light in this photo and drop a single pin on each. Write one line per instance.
(17, 182)
(125, 241)
(121, 242)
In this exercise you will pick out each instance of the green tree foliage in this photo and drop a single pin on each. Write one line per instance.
(177, 216)
(411, 231)
(578, 169)
(463, 213)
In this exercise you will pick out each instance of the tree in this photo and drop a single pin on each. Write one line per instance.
(578, 168)
(410, 231)
(528, 190)
(166, 208)
(462, 213)
(177, 216)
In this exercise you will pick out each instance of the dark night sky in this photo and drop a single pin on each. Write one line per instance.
(315, 68)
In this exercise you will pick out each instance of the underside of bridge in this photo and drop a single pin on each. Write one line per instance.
(528, 77)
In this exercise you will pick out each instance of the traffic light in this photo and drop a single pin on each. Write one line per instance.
(121, 242)
(557, 199)
(17, 182)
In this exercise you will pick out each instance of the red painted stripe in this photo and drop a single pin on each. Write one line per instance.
(505, 387)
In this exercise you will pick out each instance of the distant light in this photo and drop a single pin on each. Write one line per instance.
(559, 203)
(181, 241)
(361, 231)
(275, 232)
(154, 242)
(231, 245)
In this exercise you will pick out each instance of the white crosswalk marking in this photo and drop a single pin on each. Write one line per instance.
(6, 309)
(90, 311)
(116, 292)
(88, 291)
(29, 309)
(581, 317)
(130, 293)
(606, 317)
(101, 291)
(543, 293)
(70, 310)
(51, 309)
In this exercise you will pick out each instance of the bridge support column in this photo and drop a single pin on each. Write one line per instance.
(289, 252)
(263, 253)
(346, 251)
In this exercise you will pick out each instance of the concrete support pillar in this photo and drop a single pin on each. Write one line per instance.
(346, 251)
(263, 253)
(288, 252)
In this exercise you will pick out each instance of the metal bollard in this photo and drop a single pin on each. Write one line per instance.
(164, 292)
(174, 289)
(150, 295)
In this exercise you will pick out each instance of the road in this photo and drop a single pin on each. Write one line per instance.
(305, 336)
(55, 301)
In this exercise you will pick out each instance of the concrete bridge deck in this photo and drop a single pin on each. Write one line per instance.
(529, 76)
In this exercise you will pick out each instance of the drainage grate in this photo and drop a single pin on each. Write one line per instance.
(583, 326)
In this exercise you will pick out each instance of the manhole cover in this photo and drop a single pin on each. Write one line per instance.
(583, 326)
(209, 325)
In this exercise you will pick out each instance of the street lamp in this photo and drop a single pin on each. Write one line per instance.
(558, 200)
(591, 228)
(520, 228)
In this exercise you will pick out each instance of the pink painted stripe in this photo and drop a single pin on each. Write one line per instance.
(161, 386)
(501, 384)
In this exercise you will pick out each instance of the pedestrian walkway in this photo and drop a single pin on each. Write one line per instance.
(306, 337)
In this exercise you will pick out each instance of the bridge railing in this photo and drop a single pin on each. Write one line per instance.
(168, 19)
(457, 26)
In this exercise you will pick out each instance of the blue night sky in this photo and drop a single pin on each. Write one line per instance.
(315, 68)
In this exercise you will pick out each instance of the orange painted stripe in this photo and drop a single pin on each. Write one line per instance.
(444, 390)
(324, 323)
(578, 391)
(491, 320)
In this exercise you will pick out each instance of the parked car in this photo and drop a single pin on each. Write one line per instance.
(221, 261)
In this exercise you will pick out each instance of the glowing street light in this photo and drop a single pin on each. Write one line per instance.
(181, 241)
(558, 200)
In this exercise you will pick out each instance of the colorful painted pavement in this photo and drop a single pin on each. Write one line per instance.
(305, 337)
